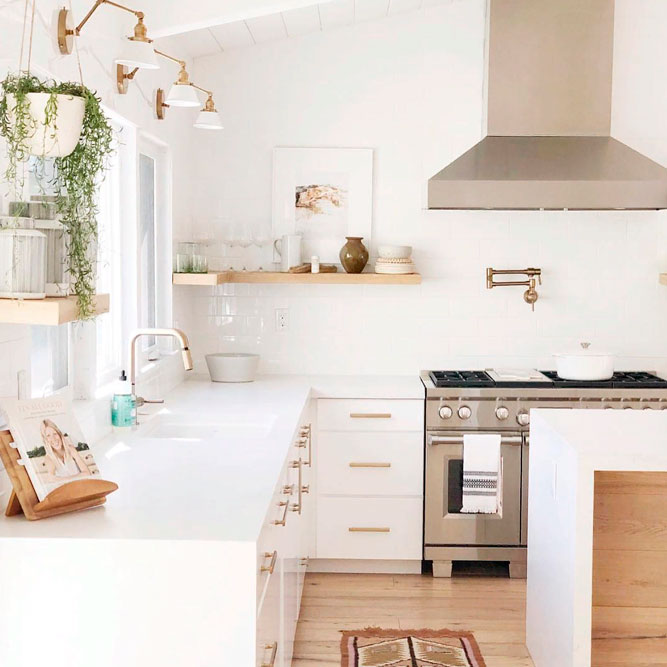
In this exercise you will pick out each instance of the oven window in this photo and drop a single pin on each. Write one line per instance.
(455, 486)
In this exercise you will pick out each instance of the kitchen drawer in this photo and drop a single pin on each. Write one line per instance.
(375, 464)
(372, 528)
(370, 415)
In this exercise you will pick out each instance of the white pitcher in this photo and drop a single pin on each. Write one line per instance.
(289, 250)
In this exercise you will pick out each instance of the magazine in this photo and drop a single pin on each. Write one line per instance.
(50, 442)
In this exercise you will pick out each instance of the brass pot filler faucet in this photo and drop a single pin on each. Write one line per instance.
(530, 296)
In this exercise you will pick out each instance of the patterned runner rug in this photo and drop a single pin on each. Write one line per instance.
(376, 647)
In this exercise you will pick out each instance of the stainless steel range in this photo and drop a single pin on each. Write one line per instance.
(499, 401)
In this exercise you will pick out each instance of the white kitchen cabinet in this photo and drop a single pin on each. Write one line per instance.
(369, 459)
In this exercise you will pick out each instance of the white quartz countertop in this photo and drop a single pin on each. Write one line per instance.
(215, 479)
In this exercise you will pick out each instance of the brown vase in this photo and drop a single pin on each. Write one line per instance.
(354, 255)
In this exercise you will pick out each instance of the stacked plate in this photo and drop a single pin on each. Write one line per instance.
(395, 259)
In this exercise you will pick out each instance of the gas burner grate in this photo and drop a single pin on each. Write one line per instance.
(620, 380)
(461, 379)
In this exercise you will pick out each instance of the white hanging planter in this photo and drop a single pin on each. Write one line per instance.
(59, 137)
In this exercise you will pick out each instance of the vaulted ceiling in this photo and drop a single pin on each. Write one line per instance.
(297, 17)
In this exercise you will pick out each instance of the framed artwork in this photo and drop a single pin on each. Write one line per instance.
(324, 195)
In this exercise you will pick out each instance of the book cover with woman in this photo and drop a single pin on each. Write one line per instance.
(50, 442)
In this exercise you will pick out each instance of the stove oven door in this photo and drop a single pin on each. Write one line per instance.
(444, 524)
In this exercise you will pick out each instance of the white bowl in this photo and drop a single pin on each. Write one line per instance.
(232, 366)
(395, 251)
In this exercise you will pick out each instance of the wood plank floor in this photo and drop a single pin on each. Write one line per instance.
(492, 608)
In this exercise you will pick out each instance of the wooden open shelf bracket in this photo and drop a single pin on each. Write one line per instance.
(77, 495)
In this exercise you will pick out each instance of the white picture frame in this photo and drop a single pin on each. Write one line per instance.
(324, 195)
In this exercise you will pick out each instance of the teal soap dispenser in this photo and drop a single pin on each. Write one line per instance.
(123, 405)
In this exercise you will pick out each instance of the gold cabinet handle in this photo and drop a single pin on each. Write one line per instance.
(304, 561)
(288, 489)
(283, 521)
(370, 529)
(370, 464)
(272, 565)
(274, 652)
(305, 488)
(306, 440)
(370, 415)
(298, 465)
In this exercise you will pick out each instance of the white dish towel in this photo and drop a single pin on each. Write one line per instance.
(482, 478)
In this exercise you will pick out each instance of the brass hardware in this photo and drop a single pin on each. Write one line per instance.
(359, 464)
(305, 488)
(272, 565)
(357, 529)
(530, 296)
(288, 489)
(304, 561)
(66, 33)
(283, 521)
(160, 104)
(297, 465)
(123, 78)
(274, 652)
(370, 415)
(307, 436)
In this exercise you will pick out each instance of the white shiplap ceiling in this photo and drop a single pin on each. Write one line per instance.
(292, 23)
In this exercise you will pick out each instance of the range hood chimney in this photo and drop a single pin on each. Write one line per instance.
(549, 119)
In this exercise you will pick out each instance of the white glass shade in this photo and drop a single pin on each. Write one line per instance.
(138, 54)
(209, 120)
(182, 95)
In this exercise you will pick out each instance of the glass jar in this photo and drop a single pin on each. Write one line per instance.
(190, 258)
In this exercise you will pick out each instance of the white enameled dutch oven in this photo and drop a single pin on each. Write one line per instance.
(585, 364)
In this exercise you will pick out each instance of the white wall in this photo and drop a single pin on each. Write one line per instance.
(410, 86)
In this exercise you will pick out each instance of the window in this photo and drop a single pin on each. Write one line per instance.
(49, 359)
(147, 258)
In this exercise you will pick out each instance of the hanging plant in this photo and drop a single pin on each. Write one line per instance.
(41, 118)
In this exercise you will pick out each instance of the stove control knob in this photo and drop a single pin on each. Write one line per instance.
(523, 418)
(502, 413)
(628, 407)
(445, 412)
(648, 407)
(464, 412)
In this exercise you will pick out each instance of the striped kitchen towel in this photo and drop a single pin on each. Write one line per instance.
(482, 484)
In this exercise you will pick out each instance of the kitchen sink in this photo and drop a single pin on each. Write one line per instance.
(169, 429)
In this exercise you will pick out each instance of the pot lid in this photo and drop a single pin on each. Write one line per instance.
(584, 350)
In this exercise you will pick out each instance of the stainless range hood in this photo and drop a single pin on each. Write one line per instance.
(549, 117)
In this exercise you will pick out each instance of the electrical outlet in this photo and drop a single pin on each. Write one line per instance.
(282, 319)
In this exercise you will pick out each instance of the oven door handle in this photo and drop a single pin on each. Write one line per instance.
(433, 439)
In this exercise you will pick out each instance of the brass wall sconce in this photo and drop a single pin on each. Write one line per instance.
(530, 296)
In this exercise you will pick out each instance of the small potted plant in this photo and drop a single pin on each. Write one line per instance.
(62, 121)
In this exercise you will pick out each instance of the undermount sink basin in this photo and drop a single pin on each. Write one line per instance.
(169, 429)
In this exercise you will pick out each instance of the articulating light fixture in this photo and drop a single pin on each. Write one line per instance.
(137, 51)
(181, 93)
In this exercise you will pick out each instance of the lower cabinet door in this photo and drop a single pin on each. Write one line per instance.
(269, 640)
(369, 528)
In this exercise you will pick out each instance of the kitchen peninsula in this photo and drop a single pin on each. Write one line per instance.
(597, 558)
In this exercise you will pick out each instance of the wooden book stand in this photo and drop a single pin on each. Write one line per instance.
(77, 495)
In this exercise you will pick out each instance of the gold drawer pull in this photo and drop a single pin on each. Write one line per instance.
(283, 521)
(272, 565)
(274, 651)
(369, 464)
(370, 415)
(371, 529)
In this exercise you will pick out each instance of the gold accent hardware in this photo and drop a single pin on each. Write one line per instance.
(160, 104)
(298, 465)
(361, 464)
(304, 561)
(295, 507)
(272, 565)
(283, 521)
(305, 488)
(123, 78)
(307, 434)
(274, 652)
(288, 489)
(530, 296)
(370, 415)
(357, 529)
(66, 34)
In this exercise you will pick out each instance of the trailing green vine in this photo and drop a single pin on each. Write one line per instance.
(76, 176)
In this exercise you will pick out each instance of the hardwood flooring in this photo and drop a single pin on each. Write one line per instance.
(492, 608)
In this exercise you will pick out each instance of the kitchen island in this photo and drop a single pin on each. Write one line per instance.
(597, 538)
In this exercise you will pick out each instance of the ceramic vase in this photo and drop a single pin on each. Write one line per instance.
(354, 255)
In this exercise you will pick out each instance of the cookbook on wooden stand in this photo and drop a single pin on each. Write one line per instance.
(49, 464)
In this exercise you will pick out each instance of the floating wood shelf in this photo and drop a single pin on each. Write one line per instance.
(50, 311)
(222, 277)
(663, 278)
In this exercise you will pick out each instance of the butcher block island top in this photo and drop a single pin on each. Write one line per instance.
(597, 557)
